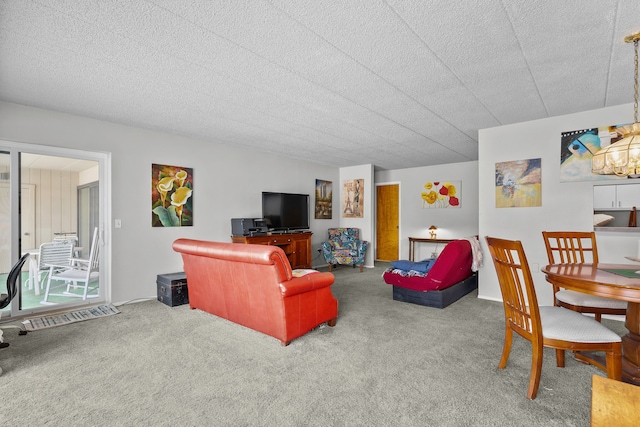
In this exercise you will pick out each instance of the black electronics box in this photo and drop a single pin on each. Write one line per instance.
(248, 226)
(172, 289)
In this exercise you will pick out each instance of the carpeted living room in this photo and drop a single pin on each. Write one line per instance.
(384, 363)
(285, 140)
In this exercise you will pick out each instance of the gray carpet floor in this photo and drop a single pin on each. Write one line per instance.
(385, 363)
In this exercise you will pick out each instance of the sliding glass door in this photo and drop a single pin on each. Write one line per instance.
(45, 211)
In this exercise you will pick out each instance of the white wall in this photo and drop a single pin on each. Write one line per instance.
(451, 222)
(228, 184)
(55, 202)
(565, 206)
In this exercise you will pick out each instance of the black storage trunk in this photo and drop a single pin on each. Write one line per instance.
(172, 289)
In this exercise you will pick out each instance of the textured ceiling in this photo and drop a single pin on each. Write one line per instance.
(391, 83)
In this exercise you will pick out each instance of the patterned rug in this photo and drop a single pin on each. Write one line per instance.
(69, 317)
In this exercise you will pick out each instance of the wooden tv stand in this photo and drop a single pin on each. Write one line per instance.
(297, 246)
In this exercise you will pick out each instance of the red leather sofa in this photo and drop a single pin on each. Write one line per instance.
(450, 278)
(254, 286)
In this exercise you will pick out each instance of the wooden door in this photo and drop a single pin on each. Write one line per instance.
(387, 222)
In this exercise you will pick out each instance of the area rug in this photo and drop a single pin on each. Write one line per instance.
(69, 317)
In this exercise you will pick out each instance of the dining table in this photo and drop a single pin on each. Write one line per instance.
(617, 281)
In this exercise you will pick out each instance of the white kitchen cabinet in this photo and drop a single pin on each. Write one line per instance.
(616, 196)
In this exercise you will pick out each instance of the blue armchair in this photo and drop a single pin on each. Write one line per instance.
(344, 247)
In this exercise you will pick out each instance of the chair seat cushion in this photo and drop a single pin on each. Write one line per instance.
(586, 300)
(567, 325)
(345, 253)
(339, 245)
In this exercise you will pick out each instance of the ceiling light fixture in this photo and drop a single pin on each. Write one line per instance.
(622, 158)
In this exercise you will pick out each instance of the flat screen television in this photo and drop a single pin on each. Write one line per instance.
(285, 211)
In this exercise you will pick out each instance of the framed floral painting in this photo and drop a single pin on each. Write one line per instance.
(171, 196)
(441, 194)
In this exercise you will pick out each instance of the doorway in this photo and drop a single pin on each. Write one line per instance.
(387, 222)
(43, 206)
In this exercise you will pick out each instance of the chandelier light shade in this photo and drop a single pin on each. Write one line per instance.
(622, 158)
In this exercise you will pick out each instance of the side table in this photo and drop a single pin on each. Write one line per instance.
(413, 240)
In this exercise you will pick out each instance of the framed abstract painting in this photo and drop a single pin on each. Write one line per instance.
(577, 148)
(519, 183)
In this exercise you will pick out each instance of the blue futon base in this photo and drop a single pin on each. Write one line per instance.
(439, 299)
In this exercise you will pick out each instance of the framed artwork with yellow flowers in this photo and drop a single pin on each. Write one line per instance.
(171, 196)
(441, 194)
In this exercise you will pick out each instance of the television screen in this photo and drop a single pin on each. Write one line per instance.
(286, 211)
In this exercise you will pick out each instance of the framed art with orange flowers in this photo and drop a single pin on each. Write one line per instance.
(441, 194)
(171, 196)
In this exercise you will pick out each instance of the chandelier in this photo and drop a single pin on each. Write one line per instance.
(622, 158)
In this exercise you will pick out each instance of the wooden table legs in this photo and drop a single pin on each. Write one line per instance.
(630, 348)
(631, 345)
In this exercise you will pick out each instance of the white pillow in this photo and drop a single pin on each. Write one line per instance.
(601, 219)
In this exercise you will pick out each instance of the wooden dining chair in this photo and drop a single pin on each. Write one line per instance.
(546, 326)
(578, 247)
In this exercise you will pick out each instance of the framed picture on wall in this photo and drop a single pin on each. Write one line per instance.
(352, 198)
(519, 183)
(441, 194)
(171, 196)
(577, 149)
(324, 199)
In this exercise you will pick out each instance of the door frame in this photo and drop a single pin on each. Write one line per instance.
(14, 149)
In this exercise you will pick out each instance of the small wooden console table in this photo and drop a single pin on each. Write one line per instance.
(413, 240)
(297, 246)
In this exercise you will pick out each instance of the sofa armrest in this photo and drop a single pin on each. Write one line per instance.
(309, 282)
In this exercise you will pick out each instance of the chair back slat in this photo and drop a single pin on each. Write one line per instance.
(54, 253)
(571, 247)
(516, 285)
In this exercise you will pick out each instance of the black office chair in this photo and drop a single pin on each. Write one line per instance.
(12, 291)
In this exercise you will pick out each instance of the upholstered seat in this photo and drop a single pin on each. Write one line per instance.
(558, 323)
(344, 247)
